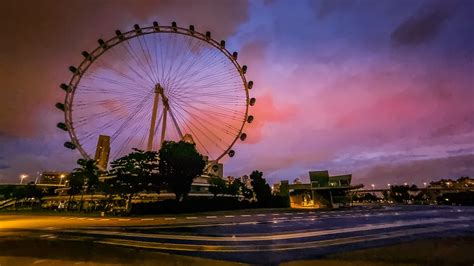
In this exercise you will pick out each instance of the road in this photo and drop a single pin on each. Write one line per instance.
(266, 237)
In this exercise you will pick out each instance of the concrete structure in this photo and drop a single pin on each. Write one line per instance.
(322, 191)
(102, 152)
(53, 178)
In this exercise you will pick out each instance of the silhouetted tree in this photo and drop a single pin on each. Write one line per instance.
(217, 186)
(179, 165)
(262, 190)
(135, 173)
(76, 186)
(89, 172)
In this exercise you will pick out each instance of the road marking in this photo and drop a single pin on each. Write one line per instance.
(170, 218)
(245, 215)
(287, 213)
(190, 218)
(300, 213)
(147, 219)
(90, 219)
(82, 218)
(104, 219)
(260, 215)
(284, 236)
(298, 217)
(211, 217)
(275, 214)
(124, 219)
(229, 216)
(275, 247)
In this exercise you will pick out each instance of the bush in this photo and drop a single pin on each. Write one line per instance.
(203, 204)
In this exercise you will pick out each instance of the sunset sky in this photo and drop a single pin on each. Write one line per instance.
(380, 89)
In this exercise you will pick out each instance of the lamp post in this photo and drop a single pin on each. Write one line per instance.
(22, 177)
(373, 186)
(61, 179)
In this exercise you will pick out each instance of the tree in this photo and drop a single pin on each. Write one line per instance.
(76, 185)
(233, 188)
(262, 190)
(179, 165)
(400, 194)
(89, 172)
(217, 186)
(135, 173)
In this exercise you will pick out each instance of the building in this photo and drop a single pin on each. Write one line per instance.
(53, 178)
(322, 191)
(102, 152)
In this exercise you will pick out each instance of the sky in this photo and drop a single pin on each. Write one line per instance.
(380, 89)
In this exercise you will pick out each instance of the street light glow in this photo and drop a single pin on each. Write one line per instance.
(23, 176)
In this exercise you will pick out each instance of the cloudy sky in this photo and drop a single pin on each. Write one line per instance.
(380, 89)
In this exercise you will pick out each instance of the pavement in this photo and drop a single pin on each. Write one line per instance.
(269, 236)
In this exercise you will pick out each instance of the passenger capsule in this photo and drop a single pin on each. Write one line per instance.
(62, 126)
(191, 29)
(243, 136)
(215, 168)
(208, 35)
(252, 101)
(244, 69)
(86, 55)
(64, 87)
(223, 44)
(156, 26)
(250, 119)
(250, 85)
(119, 34)
(102, 43)
(137, 28)
(69, 145)
(234, 55)
(73, 69)
(231, 153)
(60, 106)
(174, 26)
(81, 161)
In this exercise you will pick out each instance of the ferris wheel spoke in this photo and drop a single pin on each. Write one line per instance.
(227, 127)
(131, 52)
(130, 80)
(193, 133)
(194, 67)
(209, 104)
(200, 119)
(138, 79)
(190, 58)
(148, 58)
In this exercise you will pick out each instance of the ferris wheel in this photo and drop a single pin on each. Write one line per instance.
(157, 83)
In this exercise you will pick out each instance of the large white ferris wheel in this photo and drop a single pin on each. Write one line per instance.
(157, 83)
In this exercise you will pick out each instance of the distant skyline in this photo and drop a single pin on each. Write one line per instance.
(380, 89)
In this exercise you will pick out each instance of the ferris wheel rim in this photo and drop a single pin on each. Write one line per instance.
(132, 34)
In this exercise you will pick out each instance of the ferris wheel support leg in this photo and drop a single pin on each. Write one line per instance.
(163, 127)
(151, 133)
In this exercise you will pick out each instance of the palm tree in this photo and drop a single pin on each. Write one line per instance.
(89, 173)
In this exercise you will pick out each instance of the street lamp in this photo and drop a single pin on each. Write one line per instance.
(22, 177)
(373, 186)
(61, 179)
(424, 184)
(388, 185)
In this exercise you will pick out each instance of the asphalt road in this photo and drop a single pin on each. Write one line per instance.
(266, 237)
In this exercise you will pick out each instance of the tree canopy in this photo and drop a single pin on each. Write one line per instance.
(134, 173)
(180, 163)
(262, 190)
